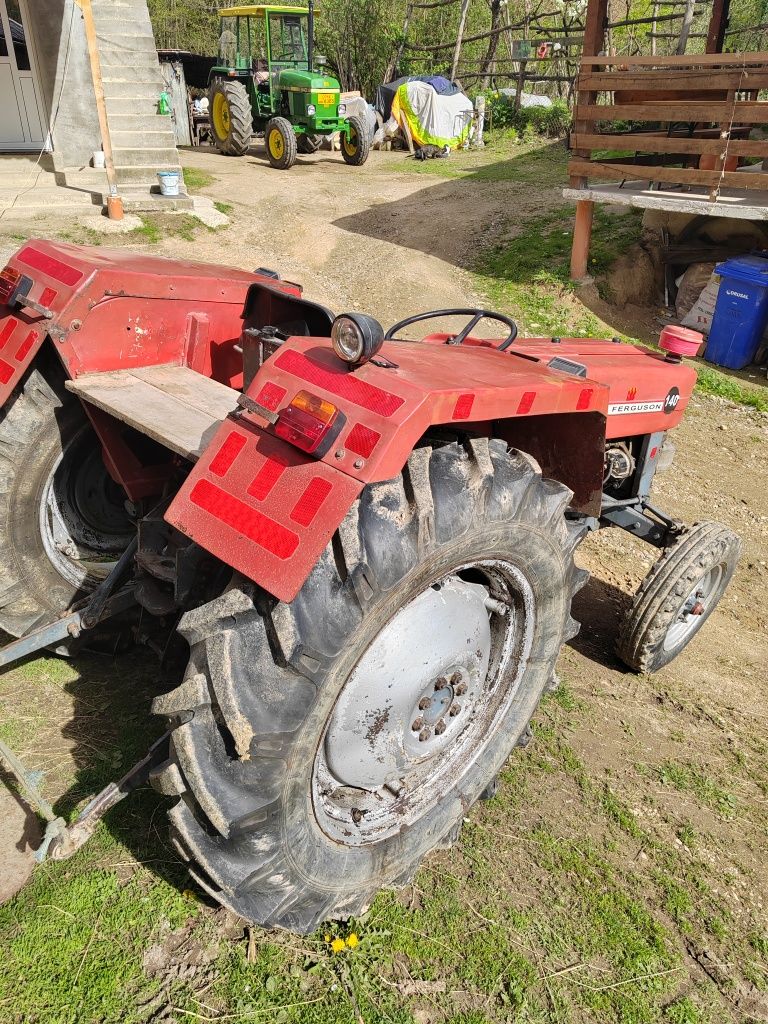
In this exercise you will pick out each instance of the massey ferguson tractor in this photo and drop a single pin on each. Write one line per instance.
(366, 543)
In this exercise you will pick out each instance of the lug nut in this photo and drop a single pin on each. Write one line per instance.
(424, 703)
(440, 728)
(454, 709)
(460, 690)
(424, 735)
(440, 683)
(455, 678)
(418, 724)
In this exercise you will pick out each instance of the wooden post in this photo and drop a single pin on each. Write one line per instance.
(685, 28)
(459, 38)
(114, 203)
(717, 26)
(582, 233)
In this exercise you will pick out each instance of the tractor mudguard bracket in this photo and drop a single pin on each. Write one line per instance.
(638, 517)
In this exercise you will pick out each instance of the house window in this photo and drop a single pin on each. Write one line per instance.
(18, 35)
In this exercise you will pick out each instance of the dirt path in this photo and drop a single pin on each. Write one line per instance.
(673, 788)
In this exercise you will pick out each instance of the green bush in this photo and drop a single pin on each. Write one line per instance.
(554, 121)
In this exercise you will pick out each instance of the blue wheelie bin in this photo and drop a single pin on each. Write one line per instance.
(741, 312)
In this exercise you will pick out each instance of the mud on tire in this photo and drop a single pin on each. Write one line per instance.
(264, 679)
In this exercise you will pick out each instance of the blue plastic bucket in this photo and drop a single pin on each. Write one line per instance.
(741, 312)
(169, 182)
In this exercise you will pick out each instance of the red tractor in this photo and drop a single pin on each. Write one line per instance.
(367, 544)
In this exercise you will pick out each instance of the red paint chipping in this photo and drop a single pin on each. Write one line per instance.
(308, 505)
(526, 402)
(463, 407)
(585, 398)
(49, 294)
(362, 440)
(270, 396)
(6, 372)
(243, 519)
(226, 455)
(50, 265)
(340, 382)
(24, 348)
(266, 478)
(8, 328)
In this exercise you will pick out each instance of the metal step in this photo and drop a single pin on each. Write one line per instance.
(174, 405)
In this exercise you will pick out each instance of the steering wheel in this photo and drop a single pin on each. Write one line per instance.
(458, 339)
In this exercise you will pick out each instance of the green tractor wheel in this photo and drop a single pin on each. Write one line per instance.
(280, 140)
(357, 146)
(308, 143)
(231, 118)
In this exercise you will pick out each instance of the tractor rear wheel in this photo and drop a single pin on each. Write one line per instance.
(63, 521)
(322, 747)
(308, 144)
(677, 596)
(231, 117)
(280, 140)
(357, 147)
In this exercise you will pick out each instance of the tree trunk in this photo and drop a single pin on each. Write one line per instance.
(686, 26)
(490, 57)
(459, 38)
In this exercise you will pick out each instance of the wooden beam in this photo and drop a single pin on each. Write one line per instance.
(582, 233)
(690, 60)
(674, 111)
(98, 88)
(718, 23)
(657, 81)
(594, 40)
(642, 142)
(673, 175)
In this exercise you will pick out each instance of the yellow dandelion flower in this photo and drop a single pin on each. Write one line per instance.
(337, 945)
(353, 940)
(327, 937)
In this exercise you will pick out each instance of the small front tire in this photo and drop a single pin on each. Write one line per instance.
(677, 596)
(357, 145)
(280, 140)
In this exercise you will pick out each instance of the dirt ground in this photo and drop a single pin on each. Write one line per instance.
(667, 775)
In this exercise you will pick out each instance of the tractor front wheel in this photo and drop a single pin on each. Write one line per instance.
(356, 146)
(280, 140)
(677, 596)
(231, 118)
(322, 747)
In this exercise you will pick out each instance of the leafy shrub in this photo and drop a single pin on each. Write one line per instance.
(554, 121)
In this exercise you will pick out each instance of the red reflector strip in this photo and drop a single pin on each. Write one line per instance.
(270, 396)
(362, 440)
(50, 265)
(266, 478)
(8, 328)
(463, 407)
(25, 346)
(227, 454)
(526, 402)
(653, 453)
(340, 382)
(49, 294)
(308, 505)
(585, 398)
(6, 372)
(243, 519)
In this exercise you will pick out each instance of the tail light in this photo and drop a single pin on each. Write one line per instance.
(309, 423)
(9, 282)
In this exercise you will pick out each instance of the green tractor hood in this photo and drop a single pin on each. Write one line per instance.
(308, 81)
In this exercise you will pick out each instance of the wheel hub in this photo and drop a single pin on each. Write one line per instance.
(421, 700)
(696, 605)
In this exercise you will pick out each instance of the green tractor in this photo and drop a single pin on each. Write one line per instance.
(266, 82)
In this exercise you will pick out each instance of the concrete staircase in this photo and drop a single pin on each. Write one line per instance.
(143, 141)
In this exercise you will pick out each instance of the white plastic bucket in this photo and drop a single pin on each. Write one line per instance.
(99, 160)
(169, 182)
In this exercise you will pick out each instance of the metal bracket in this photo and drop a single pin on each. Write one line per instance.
(638, 517)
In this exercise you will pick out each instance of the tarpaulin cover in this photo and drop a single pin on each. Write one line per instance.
(385, 94)
(432, 120)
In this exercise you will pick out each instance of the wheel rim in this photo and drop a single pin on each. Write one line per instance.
(276, 144)
(694, 609)
(221, 118)
(350, 144)
(404, 729)
(83, 522)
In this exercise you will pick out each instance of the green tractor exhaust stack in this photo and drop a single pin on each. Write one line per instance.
(266, 82)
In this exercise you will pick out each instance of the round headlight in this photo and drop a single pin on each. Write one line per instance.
(311, 109)
(342, 109)
(356, 337)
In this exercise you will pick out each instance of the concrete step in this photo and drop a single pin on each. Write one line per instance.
(140, 105)
(117, 57)
(138, 174)
(154, 202)
(52, 200)
(125, 74)
(139, 156)
(152, 140)
(133, 122)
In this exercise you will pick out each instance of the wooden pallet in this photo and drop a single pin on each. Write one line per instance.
(171, 404)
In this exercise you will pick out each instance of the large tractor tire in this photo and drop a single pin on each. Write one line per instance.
(357, 147)
(677, 596)
(322, 747)
(63, 521)
(280, 140)
(308, 144)
(231, 117)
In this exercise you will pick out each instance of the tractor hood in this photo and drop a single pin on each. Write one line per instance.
(308, 81)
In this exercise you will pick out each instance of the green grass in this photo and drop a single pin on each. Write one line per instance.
(225, 208)
(714, 382)
(195, 179)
